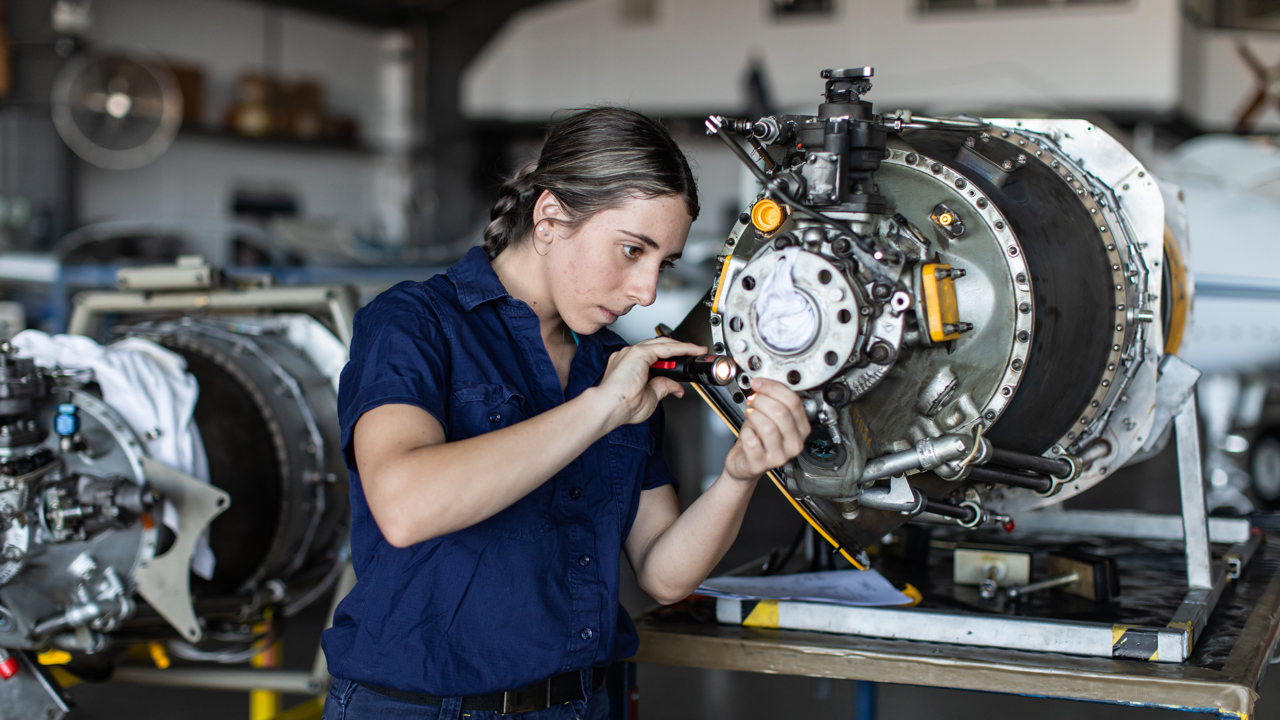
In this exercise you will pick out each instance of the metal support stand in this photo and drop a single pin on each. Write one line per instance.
(1206, 580)
(30, 694)
(284, 681)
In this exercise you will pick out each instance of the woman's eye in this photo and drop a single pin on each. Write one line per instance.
(631, 251)
(666, 266)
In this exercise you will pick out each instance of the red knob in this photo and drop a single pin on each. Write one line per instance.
(8, 667)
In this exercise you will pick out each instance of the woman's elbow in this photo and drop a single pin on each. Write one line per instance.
(393, 529)
(665, 594)
(398, 529)
(397, 536)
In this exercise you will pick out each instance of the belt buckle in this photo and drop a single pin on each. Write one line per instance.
(528, 699)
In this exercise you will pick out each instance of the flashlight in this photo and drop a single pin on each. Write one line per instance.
(703, 369)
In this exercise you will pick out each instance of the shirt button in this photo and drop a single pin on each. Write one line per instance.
(495, 417)
(585, 560)
(586, 634)
(575, 493)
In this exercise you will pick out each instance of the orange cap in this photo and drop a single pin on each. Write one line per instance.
(767, 215)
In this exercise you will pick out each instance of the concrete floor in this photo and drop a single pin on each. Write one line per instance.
(669, 693)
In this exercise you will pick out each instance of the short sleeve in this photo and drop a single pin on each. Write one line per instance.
(656, 471)
(399, 356)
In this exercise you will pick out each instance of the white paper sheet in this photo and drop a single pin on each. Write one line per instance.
(863, 588)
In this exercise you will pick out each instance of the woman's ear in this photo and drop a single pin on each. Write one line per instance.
(547, 216)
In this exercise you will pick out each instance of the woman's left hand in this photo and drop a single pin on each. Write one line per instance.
(774, 432)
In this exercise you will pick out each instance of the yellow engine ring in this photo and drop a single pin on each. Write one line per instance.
(1178, 293)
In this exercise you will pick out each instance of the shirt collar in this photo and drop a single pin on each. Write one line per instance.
(477, 283)
(475, 280)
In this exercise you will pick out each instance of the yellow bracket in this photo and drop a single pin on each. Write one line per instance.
(54, 657)
(940, 305)
(721, 288)
(266, 704)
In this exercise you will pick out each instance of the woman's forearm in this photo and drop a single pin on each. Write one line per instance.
(682, 556)
(420, 492)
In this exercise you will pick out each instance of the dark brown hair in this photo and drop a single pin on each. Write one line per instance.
(591, 161)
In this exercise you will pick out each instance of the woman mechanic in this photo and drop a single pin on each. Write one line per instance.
(504, 447)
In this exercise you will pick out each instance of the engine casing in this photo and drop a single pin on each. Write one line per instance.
(974, 310)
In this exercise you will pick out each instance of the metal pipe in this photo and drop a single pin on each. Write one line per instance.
(1039, 483)
(764, 154)
(892, 464)
(1033, 463)
(1021, 590)
(963, 514)
(928, 454)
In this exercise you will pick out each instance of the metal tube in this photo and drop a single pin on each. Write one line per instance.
(890, 465)
(963, 514)
(929, 453)
(1033, 463)
(1039, 483)
(1043, 585)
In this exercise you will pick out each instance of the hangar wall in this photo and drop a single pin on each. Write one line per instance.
(362, 188)
(691, 57)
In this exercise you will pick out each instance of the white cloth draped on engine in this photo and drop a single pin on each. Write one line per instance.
(785, 317)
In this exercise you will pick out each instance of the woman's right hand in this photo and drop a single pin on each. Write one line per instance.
(627, 387)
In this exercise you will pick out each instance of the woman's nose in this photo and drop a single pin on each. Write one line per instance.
(644, 288)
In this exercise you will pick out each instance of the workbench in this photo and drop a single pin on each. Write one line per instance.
(1220, 677)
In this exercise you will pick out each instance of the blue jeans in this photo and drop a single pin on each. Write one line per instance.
(351, 701)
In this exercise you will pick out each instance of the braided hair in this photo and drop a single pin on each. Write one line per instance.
(591, 161)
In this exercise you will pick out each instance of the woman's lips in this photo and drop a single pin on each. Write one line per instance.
(609, 315)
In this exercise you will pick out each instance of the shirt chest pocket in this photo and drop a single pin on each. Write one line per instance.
(478, 409)
(629, 449)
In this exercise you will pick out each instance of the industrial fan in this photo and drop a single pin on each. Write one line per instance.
(118, 110)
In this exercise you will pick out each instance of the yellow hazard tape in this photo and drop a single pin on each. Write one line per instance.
(764, 615)
(1188, 628)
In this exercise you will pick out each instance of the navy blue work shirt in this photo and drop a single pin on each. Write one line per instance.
(530, 592)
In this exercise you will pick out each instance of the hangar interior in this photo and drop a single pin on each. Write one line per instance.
(1025, 245)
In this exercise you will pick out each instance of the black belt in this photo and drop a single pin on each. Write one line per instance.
(555, 690)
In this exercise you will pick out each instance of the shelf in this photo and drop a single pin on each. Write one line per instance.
(212, 132)
(374, 13)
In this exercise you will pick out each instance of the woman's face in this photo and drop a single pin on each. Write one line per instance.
(611, 262)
